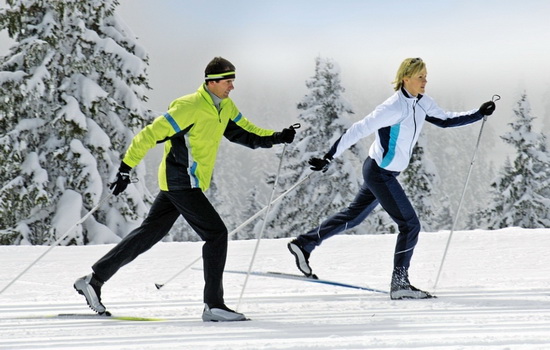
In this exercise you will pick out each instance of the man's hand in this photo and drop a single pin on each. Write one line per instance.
(287, 135)
(122, 179)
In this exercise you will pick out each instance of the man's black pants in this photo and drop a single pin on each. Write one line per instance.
(193, 205)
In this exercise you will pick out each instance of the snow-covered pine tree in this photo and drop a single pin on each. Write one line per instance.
(451, 151)
(252, 206)
(419, 180)
(443, 218)
(72, 87)
(324, 117)
(521, 192)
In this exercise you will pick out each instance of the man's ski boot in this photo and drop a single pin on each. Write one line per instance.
(221, 313)
(90, 287)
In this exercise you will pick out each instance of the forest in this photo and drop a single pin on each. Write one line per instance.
(74, 87)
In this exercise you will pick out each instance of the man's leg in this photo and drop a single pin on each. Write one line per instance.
(203, 218)
(156, 225)
(160, 219)
(193, 205)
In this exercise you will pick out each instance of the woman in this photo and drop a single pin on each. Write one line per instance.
(397, 123)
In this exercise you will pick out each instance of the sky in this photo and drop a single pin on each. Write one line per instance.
(473, 49)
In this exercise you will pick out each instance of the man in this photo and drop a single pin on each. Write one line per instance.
(191, 131)
(396, 123)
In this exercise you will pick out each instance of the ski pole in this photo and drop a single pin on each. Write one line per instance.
(59, 240)
(261, 211)
(240, 227)
(159, 285)
(494, 99)
(261, 232)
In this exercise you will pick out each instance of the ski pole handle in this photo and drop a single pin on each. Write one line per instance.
(295, 126)
(494, 99)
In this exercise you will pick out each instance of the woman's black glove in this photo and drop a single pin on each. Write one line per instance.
(318, 164)
(487, 108)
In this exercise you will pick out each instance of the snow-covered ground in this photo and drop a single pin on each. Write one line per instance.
(494, 293)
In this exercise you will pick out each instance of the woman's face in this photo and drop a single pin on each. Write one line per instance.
(416, 84)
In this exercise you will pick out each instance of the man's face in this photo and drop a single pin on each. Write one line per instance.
(221, 88)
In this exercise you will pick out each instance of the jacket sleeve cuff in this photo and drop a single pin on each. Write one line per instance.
(124, 168)
(277, 137)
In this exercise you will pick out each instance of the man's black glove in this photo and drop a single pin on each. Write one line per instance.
(286, 135)
(122, 179)
(487, 108)
(318, 164)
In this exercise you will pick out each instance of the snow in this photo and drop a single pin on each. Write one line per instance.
(102, 234)
(69, 206)
(89, 169)
(83, 101)
(71, 111)
(31, 165)
(96, 136)
(494, 293)
(15, 76)
(28, 124)
(88, 91)
(39, 77)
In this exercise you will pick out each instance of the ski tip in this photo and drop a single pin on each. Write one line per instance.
(159, 286)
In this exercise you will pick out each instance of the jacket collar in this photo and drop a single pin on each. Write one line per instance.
(209, 97)
(407, 95)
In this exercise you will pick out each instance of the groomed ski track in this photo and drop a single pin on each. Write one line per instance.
(494, 294)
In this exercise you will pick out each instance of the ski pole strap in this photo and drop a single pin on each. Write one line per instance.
(495, 98)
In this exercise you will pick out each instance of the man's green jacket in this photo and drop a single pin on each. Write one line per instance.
(191, 131)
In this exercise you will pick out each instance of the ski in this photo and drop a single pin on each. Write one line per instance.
(307, 279)
(94, 316)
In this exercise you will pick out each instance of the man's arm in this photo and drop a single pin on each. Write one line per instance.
(247, 134)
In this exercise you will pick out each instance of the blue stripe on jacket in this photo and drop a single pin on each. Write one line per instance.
(172, 122)
(389, 144)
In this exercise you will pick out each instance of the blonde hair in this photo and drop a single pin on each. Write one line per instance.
(408, 68)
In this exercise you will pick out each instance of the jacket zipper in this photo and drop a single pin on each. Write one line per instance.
(414, 134)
